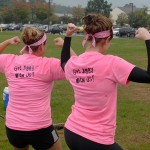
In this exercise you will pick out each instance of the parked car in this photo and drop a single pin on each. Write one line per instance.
(15, 26)
(47, 28)
(4, 27)
(63, 26)
(56, 29)
(116, 31)
(127, 31)
(25, 25)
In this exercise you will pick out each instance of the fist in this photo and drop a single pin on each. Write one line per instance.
(71, 28)
(14, 41)
(59, 42)
(142, 34)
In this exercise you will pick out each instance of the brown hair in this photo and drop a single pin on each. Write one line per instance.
(94, 23)
(30, 35)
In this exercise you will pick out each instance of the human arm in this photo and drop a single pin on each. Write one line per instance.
(65, 53)
(138, 74)
(59, 42)
(12, 41)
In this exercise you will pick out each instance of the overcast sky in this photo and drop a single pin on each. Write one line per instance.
(115, 3)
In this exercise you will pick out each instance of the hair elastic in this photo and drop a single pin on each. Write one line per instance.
(42, 40)
(102, 34)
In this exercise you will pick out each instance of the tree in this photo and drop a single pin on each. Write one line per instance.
(78, 13)
(37, 1)
(139, 18)
(99, 7)
(55, 19)
(65, 19)
(5, 3)
(41, 11)
(122, 19)
(21, 12)
(7, 15)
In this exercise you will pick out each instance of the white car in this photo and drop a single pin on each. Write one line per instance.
(116, 31)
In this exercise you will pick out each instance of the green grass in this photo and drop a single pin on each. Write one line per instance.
(133, 116)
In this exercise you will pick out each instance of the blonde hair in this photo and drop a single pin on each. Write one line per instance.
(30, 35)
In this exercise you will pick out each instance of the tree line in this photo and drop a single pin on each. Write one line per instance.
(41, 11)
(137, 18)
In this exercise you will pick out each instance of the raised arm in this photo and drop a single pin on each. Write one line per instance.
(65, 44)
(12, 41)
(138, 74)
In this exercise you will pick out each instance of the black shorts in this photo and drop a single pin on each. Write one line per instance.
(41, 139)
(77, 142)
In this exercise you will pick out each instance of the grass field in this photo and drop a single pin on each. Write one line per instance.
(133, 117)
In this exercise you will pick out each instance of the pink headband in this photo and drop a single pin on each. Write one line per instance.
(42, 40)
(102, 34)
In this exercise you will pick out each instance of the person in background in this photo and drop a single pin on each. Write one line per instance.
(30, 78)
(94, 76)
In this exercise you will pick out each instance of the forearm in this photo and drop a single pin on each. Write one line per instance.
(147, 42)
(3, 45)
(66, 52)
(140, 75)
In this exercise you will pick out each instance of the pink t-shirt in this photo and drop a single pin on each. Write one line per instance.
(30, 80)
(94, 78)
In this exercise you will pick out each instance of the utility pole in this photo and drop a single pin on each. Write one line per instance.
(49, 6)
(31, 11)
(131, 14)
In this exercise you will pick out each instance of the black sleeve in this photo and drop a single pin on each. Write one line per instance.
(65, 53)
(139, 75)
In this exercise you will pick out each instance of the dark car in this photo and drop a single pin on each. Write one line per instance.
(127, 31)
(56, 29)
(15, 27)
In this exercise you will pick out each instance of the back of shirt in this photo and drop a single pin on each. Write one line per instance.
(30, 80)
(94, 78)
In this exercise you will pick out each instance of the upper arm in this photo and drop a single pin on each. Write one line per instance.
(56, 70)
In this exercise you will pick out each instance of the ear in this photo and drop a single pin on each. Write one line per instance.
(41, 46)
(40, 49)
(108, 39)
(105, 41)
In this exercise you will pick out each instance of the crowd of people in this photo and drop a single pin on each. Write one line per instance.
(94, 76)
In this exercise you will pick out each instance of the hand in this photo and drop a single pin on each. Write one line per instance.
(14, 41)
(71, 28)
(142, 34)
(59, 42)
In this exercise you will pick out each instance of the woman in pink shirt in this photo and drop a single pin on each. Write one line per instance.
(94, 77)
(30, 79)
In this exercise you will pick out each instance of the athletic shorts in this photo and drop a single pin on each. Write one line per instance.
(41, 139)
(77, 142)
